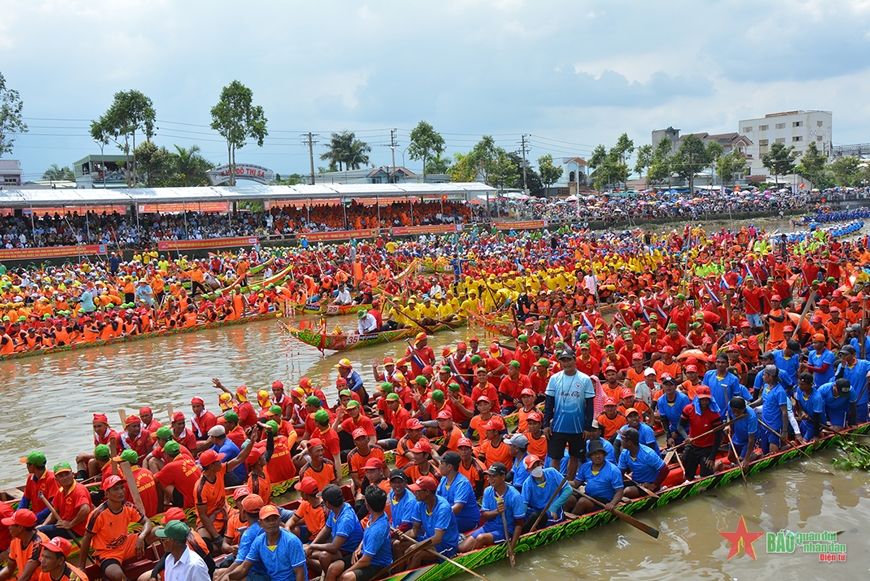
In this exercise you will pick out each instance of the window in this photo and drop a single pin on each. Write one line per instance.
(780, 139)
(10, 181)
(797, 138)
(797, 124)
(747, 129)
(780, 125)
(762, 142)
(818, 137)
(818, 123)
(763, 127)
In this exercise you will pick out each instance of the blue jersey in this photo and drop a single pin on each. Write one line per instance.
(570, 393)
(857, 376)
(520, 473)
(788, 368)
(402, 510)
(836, 404)
(536, 494)
(813, 404)
(514, 507)
(644, 467)
(604, 483)
(231, 451)
(376, 541)
(460, 492)
(246, 542)
(819, 359)
(673, 410)
(743, 428)
(441, 518)
(609, 452)
(346, 525)
(773, 397)
(857, 345)
(279, 561)
(647, 436)
(724, 388)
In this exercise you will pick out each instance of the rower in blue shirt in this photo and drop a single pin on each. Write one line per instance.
(339, 538)
(537, 491)
(498, 499)
(402, 503)
(459, 493)
(810, 409)
(603, 481)
(788, 361)
(433, 519)
(774, 412)
(840, 407)
(376, 551)
(743, 432)
(669, 410)
(723, 385)
(857, 371)
(646, 467)
(647, 434)
(820, 361)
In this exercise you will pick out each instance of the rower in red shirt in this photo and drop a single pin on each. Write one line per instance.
(699, 417)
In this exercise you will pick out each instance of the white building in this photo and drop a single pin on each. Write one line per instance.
(792, 128)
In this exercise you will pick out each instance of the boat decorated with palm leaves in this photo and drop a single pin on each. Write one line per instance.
(346, 342)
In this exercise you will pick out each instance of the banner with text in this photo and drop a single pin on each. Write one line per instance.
(80, 210)
(527, 225)
(52, 252)
(413, 230)
(212, 207)
(339, 235)
(171, 245)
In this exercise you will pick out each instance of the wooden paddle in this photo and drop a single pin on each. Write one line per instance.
(549, 503)
(646, 490)
(651, 531)
(790, 443)
(123, 415)
(171, 413)
(508, 538)
(427, 544)
(810, 301)
(57, 518)
(713, 431)
(438, 555)
(737, 458)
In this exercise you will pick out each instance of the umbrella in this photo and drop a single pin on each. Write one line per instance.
(696, 353)
(571, 199)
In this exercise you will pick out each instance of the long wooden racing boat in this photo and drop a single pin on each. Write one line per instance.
(502, 323)
(344, 342)
(143, 336)
(331, 310)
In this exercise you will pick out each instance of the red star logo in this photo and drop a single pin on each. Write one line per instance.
(742, 537)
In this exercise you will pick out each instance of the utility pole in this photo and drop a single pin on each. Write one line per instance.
(525, 185)
(393, 145)
(310, 141)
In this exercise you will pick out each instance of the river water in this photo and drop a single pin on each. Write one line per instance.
(49, 401)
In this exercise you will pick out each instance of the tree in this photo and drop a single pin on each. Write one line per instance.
(550, 173)
(293, 180)
(533, 180)
(505, 171)
(337, 150)
(690, 159)
(623, 149)
(714, 152)
(730, 165)
(56, 173)
(464, 169)
(609, 167)
(438, 164)
(846, 170)
(357, 153)
(131, 111)
(812, 164)
(236, 119)
(660, 162)
(425, 143)
(189, 167)
(486, 155)
(11, 107)
(154, 162)
(644, 159)
(779, 160)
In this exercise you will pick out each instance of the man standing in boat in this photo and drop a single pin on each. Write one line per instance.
(568, 412)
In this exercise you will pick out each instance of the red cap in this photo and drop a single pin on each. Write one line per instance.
(252, 503)
(703, 391)
(314, 442)
(132, 419)
(428, 369)
(241, 492)
(610, 368)
(444, 414)
(100, 419)
(667, 349)
(424, 483)
(388, 360)
(824, 302)
(58, 545)
(483, 398)
(359, 433)
(413, 424)
(609, 401)
(269, 510)
(461, 345)
(422, 447)
(145, 410)
(178, 417)
(626, 393)
(209, 457)
(527, 391)
(637, 357)
(109, 482)
(465, 442)
(776, 298)
(253, 457)
(197, 401)
(26, 518)
(173, 514)
(340, 381)
(691, 368)
(534, 417)
(308, 485)
(530, 460)
(277, 385)
(373, 464)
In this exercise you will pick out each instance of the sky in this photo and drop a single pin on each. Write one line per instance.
(567, 74)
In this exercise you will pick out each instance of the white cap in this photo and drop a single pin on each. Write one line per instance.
(217, 431)
(649, 371)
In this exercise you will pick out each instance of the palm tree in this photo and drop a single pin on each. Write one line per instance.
(357, 155)
(191, 167)
(339, 145)
(56, 173)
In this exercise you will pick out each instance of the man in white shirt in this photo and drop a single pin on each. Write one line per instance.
(343, 297)
(366, 323)
(182, 564)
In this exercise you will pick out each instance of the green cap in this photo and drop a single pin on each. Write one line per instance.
(628, 336)
(475, 359)
(130, 456)
(352, 404)
(392, 397)
(453, 387)
(346, 393)
(515, 364)
(175, 530)
(524, 338)
(320, 416)
(276, 410)
(560, 343)
(62, 467)
(231, 417)
(273, 425)
(165, 433)
(584, 336)
(312, 400)
(446, 368)
(36, 458)
(672, 326)
(636, 324)
(681, 296)
(386, 387)
(172, 448)
(544, 362)
(438, 395)
(102, 452)
(610, 348)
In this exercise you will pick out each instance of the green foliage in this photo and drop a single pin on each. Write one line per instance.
(846, 171)
(237, 119)
(438, 164)
(608, 167)
(345, 151)
(660, 162)
(730, 165)
(812, 164)
(463, 169)
(130, 112)
(189, 167)
(623, 149)
(644, 159)
(549, 172)
(292, 180)
(11, 107)
(857, 454)
(425, 143)
(691, 158)
(56, 173)
(779, 160)
(154, 162)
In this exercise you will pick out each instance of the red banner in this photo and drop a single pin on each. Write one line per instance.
(408, 230)
(213, 207)
(80, 210)
(51, 252)
(205, 244)
(339, 235)
(527, 225)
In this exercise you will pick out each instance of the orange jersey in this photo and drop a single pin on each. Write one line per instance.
(313, 517)
(213, 496)
(499, 453)
(326, 474)
(70, 573)
(609, 426)
(110, 530)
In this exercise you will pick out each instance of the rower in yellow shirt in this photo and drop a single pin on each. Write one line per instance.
(428, 310)
(469, 305)
(446, 311)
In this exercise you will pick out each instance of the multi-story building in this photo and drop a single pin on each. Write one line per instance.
(10, 173)
(791, 128)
